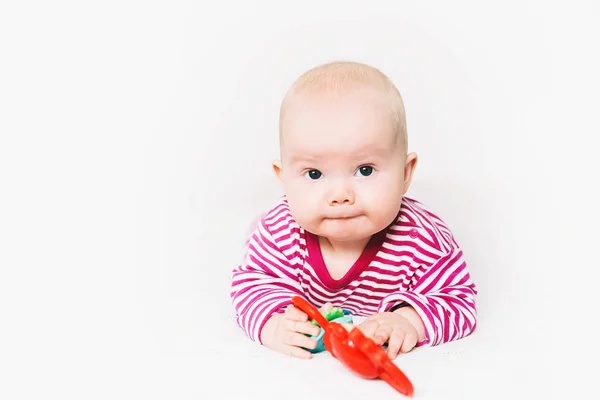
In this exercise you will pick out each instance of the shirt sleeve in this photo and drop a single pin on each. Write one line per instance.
(265, 282)
(444, 297)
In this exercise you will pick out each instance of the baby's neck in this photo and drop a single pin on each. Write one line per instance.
(345, 247)
(340, 256)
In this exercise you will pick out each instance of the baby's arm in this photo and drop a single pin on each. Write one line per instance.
(264, 283)
(443, 296)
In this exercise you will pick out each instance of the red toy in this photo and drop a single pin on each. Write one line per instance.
(356, 351)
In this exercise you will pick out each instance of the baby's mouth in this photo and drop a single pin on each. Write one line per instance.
(343, 217)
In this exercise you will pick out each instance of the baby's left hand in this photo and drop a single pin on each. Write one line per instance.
(393, 328)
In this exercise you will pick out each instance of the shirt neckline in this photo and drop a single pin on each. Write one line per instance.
(315, 258)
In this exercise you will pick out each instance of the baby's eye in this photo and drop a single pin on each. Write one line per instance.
(365, 170)
(314, 174)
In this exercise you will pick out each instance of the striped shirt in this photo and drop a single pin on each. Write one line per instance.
(415, 261)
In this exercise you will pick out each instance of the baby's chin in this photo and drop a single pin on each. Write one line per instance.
(344, 231)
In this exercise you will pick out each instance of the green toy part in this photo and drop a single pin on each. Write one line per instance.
(330, 315)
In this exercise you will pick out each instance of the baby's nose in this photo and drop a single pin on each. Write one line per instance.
(341, 194)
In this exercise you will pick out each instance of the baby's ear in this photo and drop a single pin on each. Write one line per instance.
(409, 169)
(277, 169)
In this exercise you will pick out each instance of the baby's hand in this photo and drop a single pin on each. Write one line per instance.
(285, 333)
(393, 328)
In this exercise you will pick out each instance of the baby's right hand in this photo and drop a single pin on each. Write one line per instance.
(285, 333)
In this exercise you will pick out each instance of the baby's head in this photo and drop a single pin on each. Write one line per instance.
(344, 163)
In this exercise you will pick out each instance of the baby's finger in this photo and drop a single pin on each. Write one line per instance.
(302, 327)
(369, 327)
(298, 339)
(326, 307)
(297, 352)
(410, 341)
(383, 333)
(397, 339)
(295, 314)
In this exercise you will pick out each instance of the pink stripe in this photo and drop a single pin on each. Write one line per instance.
(259, 306)
(260, 265)
(404, 245)
(248, 291)
(465, 279)
(277, 231)
(277, 219)
(240, 280)
(458, 293)
(450, 279)
(276, 212)
(460, 309)
(397, 253)
(253, 297)
(430, 310)
(260, 252)
(399, 278)
(319, 291)
(414, 257)
(360, 298)
(446, 327)
(262, 262)
(459, 329)
(402, 266)
(289, 248)
(395, 280)
(463, 307)
(408, 217)
(270, 247)
(445, 263)
(361, 306)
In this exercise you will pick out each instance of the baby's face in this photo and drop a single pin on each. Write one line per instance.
(342, 165)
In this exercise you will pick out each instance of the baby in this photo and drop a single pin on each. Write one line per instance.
(344, 234)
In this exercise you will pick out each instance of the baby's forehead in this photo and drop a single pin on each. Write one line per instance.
(325, 111)
(353, 132)
(355, 102)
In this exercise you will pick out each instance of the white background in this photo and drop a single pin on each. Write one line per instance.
(135, 148)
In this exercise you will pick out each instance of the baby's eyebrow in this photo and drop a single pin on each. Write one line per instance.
(297, 158)
(372, 152)
(365, 153)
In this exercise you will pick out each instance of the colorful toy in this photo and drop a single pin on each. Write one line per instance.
(359, 353)
(333, 315)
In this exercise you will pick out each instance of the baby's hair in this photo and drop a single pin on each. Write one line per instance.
(340, 76)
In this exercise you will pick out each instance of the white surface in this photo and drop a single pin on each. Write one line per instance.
(135, 143)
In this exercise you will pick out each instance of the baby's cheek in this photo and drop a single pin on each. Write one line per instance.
(386, 199)
(303, 209)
